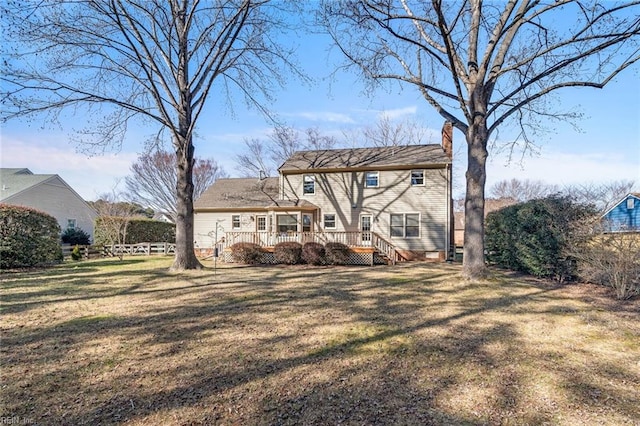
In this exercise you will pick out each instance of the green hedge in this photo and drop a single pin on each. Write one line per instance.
(534, 237)
(28, 238)
(138, 231)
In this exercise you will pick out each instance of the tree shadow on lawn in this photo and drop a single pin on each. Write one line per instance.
(396, 362)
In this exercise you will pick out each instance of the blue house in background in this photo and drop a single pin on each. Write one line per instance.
(624, 216)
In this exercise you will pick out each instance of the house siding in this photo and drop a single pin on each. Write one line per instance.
(56, 199)
(622, 218)
(345, 194)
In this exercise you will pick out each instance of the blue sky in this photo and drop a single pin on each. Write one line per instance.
(606, 146)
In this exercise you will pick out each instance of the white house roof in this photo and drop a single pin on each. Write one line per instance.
(14, 181)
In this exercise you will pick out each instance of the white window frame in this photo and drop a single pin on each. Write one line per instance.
(236, 220)
(631, 203)
(366, 179)
(404, 225)
(412, 179)
(278, 224)
(324, 221)
(260, 219)
(308, 179)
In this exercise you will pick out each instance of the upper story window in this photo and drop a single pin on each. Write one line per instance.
(417, 177)
(71, 224)
(330, 221)
(631, 203)
(235, 221)
(371, 179)
(405, 225)
(309, 185)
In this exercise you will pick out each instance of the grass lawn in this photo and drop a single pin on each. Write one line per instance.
(108, 342)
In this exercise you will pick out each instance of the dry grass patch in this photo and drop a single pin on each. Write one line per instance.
(104, 342)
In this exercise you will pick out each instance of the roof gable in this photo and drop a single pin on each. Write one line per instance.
(15, 181)
(405, 156)
(635, 195)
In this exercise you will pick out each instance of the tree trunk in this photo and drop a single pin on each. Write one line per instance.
(473, 264)
(185, 255)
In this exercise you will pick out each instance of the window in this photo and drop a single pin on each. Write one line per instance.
(330, 221)
(261, 223)
(286, 223)
(631, 203)
(417, 177)
(235, 221)
(71, 224)
(371, 179)
(405, 225)
(309, 185)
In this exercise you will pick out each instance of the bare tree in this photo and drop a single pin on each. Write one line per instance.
(522, 190)
(387, 132)
(602, 195)
(481, 65)
(114, 216)
(156, 60)
(263, 157)
(153, 180)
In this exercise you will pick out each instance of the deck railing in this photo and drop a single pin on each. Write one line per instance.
(349, 238)
(270, 239)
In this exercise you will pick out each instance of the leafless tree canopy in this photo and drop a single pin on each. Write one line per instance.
(262, 158)
(482, 64)
(522, 190)
(156, 60)
(153, 178)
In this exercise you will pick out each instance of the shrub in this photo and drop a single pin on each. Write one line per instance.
(75, 253)
(248, 253)
(138, 230)
(337, 253)
(611, 259)
(534, 237)
(313, 253)
(75, 236)
(289, 252)
(28, 238)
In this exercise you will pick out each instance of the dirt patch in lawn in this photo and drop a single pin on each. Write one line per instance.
(103, 342)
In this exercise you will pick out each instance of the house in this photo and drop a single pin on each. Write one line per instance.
(394, 201)
(624, 215)
(47, 193)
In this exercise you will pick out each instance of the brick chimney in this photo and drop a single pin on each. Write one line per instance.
(447, 138)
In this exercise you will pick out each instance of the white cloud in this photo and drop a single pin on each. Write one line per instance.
(88, 176)
(563, 168)
(323, 116)
(394, 114)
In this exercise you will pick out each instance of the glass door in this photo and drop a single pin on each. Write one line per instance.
(365, 229)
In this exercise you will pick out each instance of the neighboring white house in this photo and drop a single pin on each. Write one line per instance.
(47, 193)
(397, 196)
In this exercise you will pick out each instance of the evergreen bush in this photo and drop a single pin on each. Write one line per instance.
(534, 237)
(337, 253)
(75, 236)
(28, 238)
(313, 253)
(247, 253)
(289, 252)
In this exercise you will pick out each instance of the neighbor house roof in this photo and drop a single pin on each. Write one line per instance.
(387, 157)
(631, 194)
(239, 193)
(14, 181)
